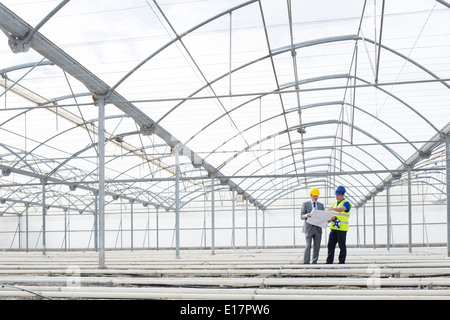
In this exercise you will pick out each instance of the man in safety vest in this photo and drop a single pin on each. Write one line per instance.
(339, 226)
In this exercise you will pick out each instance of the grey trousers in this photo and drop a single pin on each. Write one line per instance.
(315, 236)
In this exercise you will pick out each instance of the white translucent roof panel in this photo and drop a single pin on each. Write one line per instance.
(269, 96)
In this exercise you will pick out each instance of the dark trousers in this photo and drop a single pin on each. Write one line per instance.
(340, 237)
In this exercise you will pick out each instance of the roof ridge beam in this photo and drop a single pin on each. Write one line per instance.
(17, 28)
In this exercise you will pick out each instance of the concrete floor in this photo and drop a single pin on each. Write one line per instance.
(267, 274)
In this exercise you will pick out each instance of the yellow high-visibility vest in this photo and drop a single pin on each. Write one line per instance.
(341, 222)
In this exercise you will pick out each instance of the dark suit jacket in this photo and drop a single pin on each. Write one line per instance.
(307, 208)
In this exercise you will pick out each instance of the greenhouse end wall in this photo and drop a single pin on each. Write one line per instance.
(273, 228)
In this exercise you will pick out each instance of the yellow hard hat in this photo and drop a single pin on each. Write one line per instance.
(314, 192)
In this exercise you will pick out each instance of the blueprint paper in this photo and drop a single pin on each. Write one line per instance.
(320, 218)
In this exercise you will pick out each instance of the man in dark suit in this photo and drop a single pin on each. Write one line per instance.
(311, 232)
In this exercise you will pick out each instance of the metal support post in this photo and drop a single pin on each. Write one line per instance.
(293, 217)
(447, 149)
(246, 223)
(364, 222)
(177, 201)
(233, 232)
(132, 224)
(44, 209)
(409, 211)
(65, 229)
(157, 227)
(213, 244)
(101, 181)
(373, 225)
(264, 230)
(26, 226)
(147, 229)
(256, 227)
(19, 230)
(388, 217)
(96, 220)
(357, 228)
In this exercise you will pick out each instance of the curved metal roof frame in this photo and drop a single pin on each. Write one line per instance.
(21, 35)
(17, 29)
(303, 45)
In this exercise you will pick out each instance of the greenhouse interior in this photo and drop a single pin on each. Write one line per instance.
(204, 124)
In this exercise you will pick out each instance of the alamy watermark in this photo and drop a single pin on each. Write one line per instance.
(374, 280)
(73, 274)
